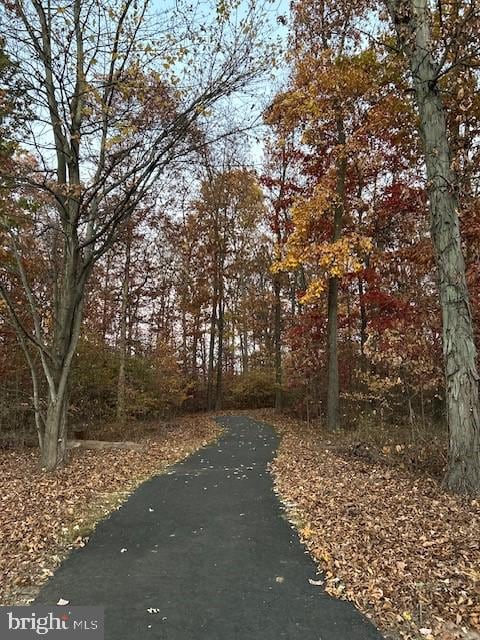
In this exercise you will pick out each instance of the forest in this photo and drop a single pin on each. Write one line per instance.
(239, 208)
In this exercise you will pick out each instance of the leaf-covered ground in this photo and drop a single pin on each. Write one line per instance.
(393, 542)
(42, 515)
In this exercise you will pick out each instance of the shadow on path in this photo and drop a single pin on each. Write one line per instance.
(208, 546)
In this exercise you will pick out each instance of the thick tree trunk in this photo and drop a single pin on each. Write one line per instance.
(463, 472)
(460, 357)
(68, 331)
(333, 388)
(54, 440)
(68, 320)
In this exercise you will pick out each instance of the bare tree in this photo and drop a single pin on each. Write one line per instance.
(118, 94)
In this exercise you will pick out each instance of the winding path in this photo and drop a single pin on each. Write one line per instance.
(207, 549)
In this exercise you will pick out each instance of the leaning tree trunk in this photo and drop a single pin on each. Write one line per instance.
(333, 384)
(463, 471)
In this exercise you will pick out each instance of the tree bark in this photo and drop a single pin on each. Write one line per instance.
(333, 384)
(106, 297)
(412, 22)
(54, 440)
(363, 324)
(122, 373)
(278, 341)
(220, 339)
(104, 444)
(211, 349)
(66, 334)
(196, 331)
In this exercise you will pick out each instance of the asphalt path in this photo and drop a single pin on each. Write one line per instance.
(205, 552)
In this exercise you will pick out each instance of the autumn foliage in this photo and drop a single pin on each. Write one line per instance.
(168, 247)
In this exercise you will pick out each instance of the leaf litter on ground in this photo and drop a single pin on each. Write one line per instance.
(393, 542)
(43, 515)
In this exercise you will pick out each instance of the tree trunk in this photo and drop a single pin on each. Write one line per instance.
(231, 359)
(333, 388)
(244, 341)
(54, 439)
(463, 471)
(65, 340)
(68, 320)
(196, 331)
(106, 298)
(184, 343)
(333, 384)
(278, 341)
(221, 324)
(203, 356)
(124, 445)
(122, 374)
(363, 324)
(211, 349)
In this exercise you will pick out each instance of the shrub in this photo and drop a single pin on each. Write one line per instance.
(254, 389)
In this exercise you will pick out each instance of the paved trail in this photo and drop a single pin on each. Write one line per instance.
(208, 546)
